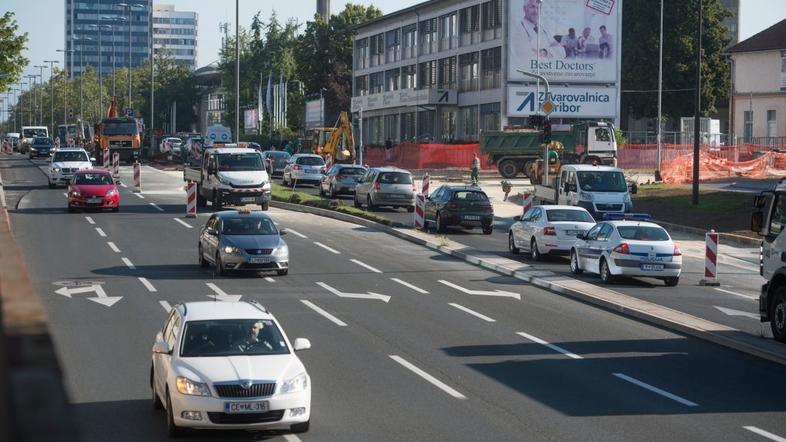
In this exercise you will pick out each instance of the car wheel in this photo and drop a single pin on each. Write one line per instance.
(356, 202)
(216, 200)
(574, 263)
(282, 272)
(265, 206)
(172, 429)
(487, 230)
(220, 265)
(300, 428)
(605, 274)
(202, 261)
(534, 253)
(370, 205)
(672, 282)
(52, 185)
(440, 224)
(157, 404)
(512, 245)
(778, 315)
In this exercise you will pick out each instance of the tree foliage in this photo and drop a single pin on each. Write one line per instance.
(11, 45)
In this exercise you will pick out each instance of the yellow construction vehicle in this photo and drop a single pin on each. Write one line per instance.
(338, 141)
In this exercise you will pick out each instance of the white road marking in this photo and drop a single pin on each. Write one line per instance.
(269, 279)
(183, 223)
(406, 284)
(327, 315)
(139, 195)
(764, 433)
(733, 312)
(128, 263)
(123, 185)
(90, 220)
(296, 233)
(157, 207)
(434, 381)
(657, 390)
(222, 295)
(481, 292)
(65, 194)
(166, 306)
(368, 295)
(362, 264)
(556, 348)
(113, 246)
(755, 298)
(327, 248)
(216, 289)
(100, 232)
(291, 438)
(472, 312)
(147, 284)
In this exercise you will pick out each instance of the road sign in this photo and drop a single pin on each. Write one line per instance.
(547, 107)
(129, 112)
(224, 136)
(70, 113)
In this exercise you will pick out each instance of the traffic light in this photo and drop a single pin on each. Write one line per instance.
(535, 120)
(546, 131)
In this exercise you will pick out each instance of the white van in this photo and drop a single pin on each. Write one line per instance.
(30, 132)
(599, 189)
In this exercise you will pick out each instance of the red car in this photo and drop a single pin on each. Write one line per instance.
(93, 189)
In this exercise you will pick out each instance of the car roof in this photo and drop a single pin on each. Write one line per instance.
(306, 155)
(204, 310)
(561, 207)
(633, 223)
(390, 169)
(220, 150)
(464, 187)
(105, 172)
(591, 168)
(71, 149)
(242, 213)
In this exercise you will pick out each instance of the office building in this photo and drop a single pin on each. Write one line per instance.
(175, 32)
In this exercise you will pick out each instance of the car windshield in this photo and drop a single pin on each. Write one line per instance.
(120, 129)
(277, 154)
(239, 161)
(310, 161)
(232, 337)
(602, 181)
(30, 133)
(578, 216)
(70, 156)
(643, 233)
(395, 178)
(248, 226)
(41, 140)
(470, 196)
(92, 178)
(352, 171)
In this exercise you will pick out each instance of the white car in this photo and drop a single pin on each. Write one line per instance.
(303, 169)
(627, 248)
(65, 162)
(548, 230)
(228, 365)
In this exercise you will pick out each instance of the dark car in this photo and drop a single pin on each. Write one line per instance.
(463, 206)
(41, 146)
(341, 179)
(278, 161)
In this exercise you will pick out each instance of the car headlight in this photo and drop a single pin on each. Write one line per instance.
(75, 194)
(111, 193)
(191, 388)
(586, 196)
(54, 169)
(223, 180)
(232, 250)
(296, 384)
(282, 250)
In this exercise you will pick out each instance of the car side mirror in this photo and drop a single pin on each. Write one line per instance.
(302, 344)
(757, 222)
(92, 159)
(517, 218)
(282, 232)
(161, 346)
(633, 188)
(581, 236)
(211, 231)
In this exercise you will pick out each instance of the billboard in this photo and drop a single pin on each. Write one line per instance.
(569, 102)
(314, 114)
(573, 41)
(250, 121)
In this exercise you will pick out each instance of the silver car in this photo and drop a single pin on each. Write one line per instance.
(275, 161)
(303, 169)
(341, 179)
(386, 186)
(242, 240)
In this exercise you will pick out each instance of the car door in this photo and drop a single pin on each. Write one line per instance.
(160, 362)
(519, 227)
(210, 245)
(584, 248)
(432, 202)
(602, 244)
(532, 227)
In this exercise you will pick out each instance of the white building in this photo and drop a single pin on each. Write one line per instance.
(176, 33)
(445, 70)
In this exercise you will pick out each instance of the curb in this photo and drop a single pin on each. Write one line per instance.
(738, 240)
(711, 332)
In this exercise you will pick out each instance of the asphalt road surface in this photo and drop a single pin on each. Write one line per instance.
(456, 353)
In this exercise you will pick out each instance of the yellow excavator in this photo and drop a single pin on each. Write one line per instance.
(338, 141)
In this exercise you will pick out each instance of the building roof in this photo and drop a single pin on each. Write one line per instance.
(211, 68)
(396, 13)
(772, 38)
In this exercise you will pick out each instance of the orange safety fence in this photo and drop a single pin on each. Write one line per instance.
(713, 167)
(426, 156)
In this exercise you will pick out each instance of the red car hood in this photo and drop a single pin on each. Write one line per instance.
(93, 189)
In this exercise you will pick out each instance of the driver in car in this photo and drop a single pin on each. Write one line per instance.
(252, 337)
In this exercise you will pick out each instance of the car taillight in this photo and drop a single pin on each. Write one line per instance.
(677, 251)
(377, 186)
(486, 207)
(296, 167)
(414, 188)
(549, 231)
(453, 206)
(340, 177)
(622, 249)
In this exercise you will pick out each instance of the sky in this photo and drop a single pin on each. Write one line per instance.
(31, 15)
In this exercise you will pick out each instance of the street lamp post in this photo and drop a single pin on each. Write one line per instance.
(38, 98)
(31, 103)
(82, 74)
(51, 93)
(100, 72)
(237, 70)
(65, 87)
(128, 9)
(660, 98)
(697, 117)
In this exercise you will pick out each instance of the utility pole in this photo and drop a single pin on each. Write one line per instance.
(537, 67)
(51, 93)
(237, 70)
(65, 88)
(697, 117)
(546, 148)
(31, 102)
(152, 84)
(38, 97)
(660, 98)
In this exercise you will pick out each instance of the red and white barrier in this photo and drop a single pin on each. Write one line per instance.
(420, 208)
(424, 187)
(137, 177)
(711, 259)
(106, 159)
(191, 192)
(116, 165)
(527, 202)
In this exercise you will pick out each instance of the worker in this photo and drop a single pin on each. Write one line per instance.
(475, 169)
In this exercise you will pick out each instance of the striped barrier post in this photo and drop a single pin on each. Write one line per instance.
(711, 260)
(116, 165)
(191, 192)
(527, 203)
(420, 205)
(106, 159)
(424, 187)
(137, 177)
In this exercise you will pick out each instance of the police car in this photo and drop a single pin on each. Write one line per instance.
(627, 245)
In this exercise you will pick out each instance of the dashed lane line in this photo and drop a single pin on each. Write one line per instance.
(139, 195)
(556, 348)
(329, 249)
(90, 220)
(765, 433)
(295, 232)
(431, 379)
(291, 438)
(656, 390)
(147, 284)
(113, 246)
(754, 298)
(128, 263)
(472, 312)
(167, 307)
(185, 224)
(123, 185)
(157, 207)
(362, 264)
(100, 232)
(325, 314)
(406, 284)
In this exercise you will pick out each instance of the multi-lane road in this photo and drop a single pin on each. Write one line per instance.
(447, 352)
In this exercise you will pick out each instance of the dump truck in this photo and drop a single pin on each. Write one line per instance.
(522, 150)
(122, 135)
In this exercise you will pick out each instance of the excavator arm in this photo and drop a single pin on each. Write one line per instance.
(333, 145)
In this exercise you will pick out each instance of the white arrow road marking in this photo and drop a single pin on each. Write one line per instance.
(100, 232)
(101, 297)
(434, 381)
(221, 295)
(166, 306)
(182, 222)
(482, 292)
(406, 284)
(113, 246)
(732, 312)
(327, 315)
(147, 284)
(128, 263)
(329, 249)
(157, 207)
(369, 295)
(296, 233)
(90, 220)
(657, 390)
(472, 312)
(755, 298)
(556, 348)
(764, 433)
(362, 264)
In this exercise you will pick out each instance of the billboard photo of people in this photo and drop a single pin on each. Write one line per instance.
(571, 40)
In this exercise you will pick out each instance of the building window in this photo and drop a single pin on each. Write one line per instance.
(469, 20)
(447, 73)
(492, 20)
(783, 70)
(408, 126)
(448, 126)
(428, 74)
(361, 85)
(391, 129)
(489, 116)
(361, 54)
(409, 77)
(491, 67)
(747, 128)
(373, 131)
(376, 83)
(392, 78)
(772, 126)
(469, 68)
(393, 45)
(428, 36)
(409, 38)
(448, 32)
(377, 49)
(469, 123)
(426, 120)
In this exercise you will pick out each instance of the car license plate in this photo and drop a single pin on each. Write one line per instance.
(264, 260)
(573, 232)
(472, 217)
(245, 407)
(94, 200)
(652, 267)
(247, 199)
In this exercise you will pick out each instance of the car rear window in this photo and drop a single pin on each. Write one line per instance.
(277, 154)
(395, 178)
(352, 171)
(643, 233)
(578, 216)
(469, 196)
(310, 161)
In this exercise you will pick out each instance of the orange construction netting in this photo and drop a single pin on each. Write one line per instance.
(425, 156)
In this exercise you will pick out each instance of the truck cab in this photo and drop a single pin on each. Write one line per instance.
(230, 176)
(600, 145)
(599, 189)
(769, 221)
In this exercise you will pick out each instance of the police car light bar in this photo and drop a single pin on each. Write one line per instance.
(619, 216)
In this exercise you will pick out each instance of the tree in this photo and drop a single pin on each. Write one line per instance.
(640, 57)
(12, 63)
